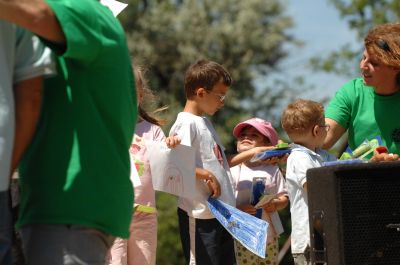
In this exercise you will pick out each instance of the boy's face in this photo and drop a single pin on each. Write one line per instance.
(249, 138)
(321, 131)
(215, 99)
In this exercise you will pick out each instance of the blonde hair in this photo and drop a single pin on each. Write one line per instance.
(383, 42)
(301, 115)
(149, 99)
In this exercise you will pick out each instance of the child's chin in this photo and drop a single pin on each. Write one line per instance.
(245, 148)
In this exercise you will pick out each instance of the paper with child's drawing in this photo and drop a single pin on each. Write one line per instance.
(134, 174)
(116, 7)
(173, 170)
(250, 231)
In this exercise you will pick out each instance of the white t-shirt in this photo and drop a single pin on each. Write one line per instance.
(22, 57)
(198, 132)
(300, 160)
(274, 183)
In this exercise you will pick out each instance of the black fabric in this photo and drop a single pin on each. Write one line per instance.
(214, 245)
(357, 208)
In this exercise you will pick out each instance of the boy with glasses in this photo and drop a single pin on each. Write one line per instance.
(204, 239)
(304, 123)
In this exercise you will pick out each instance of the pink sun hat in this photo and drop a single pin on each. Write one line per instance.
(262, 126)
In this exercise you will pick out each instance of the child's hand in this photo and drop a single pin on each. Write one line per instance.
(172, 141)
(213, 186)
(271, 206)
(247, 208)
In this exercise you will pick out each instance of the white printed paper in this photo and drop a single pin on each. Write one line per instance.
(266, 198)
(116, 7)
(173, 170)
(134, 175)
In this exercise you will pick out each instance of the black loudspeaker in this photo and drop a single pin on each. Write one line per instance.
(355, 214)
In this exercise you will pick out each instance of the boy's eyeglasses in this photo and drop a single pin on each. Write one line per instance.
(221, 97)
(325, 126)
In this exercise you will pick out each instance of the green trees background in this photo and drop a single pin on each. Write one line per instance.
(250, 38)
(361, 16)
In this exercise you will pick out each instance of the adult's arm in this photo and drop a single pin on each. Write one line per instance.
(335, 132)
(35, 16)
(28, 101)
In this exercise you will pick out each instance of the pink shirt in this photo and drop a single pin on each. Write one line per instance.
(145, 131)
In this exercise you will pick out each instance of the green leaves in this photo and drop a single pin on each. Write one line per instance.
(361, 16)
(247, 37)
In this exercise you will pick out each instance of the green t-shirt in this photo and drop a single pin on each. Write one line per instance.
(77, 169)
(366, 115)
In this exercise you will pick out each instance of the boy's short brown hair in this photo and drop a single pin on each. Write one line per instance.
(301, 115)
(205, 74)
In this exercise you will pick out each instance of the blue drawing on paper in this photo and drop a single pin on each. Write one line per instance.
(250, 231)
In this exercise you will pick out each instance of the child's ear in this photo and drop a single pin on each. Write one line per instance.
(315, 130)
(200, 92)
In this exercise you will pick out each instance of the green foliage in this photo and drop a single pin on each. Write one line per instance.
(250, 38)
(247, 37)
(342, 62)
(361, 16)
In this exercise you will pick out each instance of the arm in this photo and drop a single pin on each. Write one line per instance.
(247, 208)
(28, 100)
(276, 204)
(244, 156)
(35, 16)
(334, 133)
(211, 181)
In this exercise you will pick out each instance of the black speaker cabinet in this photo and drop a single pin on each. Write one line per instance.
(355, 214)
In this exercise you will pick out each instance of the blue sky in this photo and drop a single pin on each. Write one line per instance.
(319, 26)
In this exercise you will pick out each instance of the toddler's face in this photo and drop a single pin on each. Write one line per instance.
(249, 137)
(322, 132)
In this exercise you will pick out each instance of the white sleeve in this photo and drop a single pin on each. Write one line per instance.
(32, 58)
(299, 163)
(158, 134)
(280, 182)
(185, 131)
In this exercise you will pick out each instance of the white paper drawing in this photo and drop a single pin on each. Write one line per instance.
(174, 179)
(173, 170)
(134, 175)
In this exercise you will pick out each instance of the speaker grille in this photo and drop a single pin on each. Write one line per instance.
(368, 206)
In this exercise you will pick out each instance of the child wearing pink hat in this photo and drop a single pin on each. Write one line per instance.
(249, 134)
